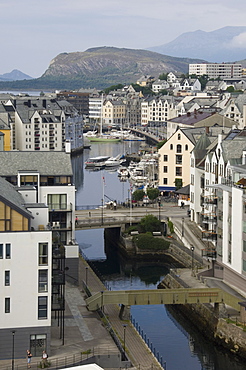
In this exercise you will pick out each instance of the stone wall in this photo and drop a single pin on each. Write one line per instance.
(211, 321)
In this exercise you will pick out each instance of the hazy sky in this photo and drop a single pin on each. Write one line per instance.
(33, 32)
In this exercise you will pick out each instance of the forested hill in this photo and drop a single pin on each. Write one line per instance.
(102, 67)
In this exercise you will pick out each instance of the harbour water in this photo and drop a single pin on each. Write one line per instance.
(179, 344)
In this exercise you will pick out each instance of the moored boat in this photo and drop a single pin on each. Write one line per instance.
(96, 162)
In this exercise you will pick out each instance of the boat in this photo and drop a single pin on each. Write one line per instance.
(132, 137)
(96, 162)
(123, 172)
(114, 161)
(104, 138)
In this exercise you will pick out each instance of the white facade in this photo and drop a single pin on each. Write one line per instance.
(24, 287)
(214, 70)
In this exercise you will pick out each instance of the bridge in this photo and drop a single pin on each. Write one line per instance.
(162, 296)
(105, 218)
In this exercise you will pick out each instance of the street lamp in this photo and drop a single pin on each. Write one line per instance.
(86, 275)
(124, 340)
(102, 212)
(182, 227)
(192, 258)
(13, 349)
(159, 204)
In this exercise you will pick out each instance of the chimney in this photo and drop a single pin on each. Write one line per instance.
(44, 103)
(207, 130)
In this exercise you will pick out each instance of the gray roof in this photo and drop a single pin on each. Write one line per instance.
(46, 163)
(11, 195)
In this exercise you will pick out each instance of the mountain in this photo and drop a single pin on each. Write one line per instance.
(226, 44)
(15, 75)
(105, 66)
(102, 67)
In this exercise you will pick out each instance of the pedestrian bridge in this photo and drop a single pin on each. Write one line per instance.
(161, 296)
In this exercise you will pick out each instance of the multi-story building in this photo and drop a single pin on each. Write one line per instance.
(38, 241)
(39, 124)
(158, 109)
(26, 268)
(114, 113)
(174, 159)
(215, 70)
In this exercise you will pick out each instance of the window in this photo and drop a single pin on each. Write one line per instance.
(165, 168)
(165, 181)
(42, 307)
(7, 278)
(7, 305)
(178, 159)
(57, 201)
(8, 251)
(171, 146)
(179, 137)
(186, 147)
(178, 171)
(179, 148)
(165, 158)
(1, 251)
(42, 281)
(43, 254)
(244, 265)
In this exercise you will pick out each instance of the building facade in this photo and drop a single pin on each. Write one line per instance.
(215, 70)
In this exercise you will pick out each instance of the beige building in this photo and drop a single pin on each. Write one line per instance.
(174, 161)
(114, 113)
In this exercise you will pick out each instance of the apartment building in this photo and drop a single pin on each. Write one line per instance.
(114, 113)
(158, 109)
(41, 124)
(174, 159)
(40, 211)
(26, 268)
(215, 70)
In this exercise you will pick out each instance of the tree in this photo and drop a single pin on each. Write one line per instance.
(203, 81)
(138, 195)
(230, 89)
(160, 144)
(152, 193)
(178, 183)
(163, 76)
(113, 87)
(149, 223)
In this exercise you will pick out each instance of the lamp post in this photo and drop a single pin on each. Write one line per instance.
(124, 340)
(102, 212)
(159, 205)
(192, 258)
(13, 349)
(86, 275)
(182, 227)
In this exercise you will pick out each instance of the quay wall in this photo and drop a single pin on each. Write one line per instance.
(211, 320)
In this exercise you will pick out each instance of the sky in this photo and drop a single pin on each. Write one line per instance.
(33, 32)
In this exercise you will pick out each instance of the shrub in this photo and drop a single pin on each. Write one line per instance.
(149, 223)
(148, 242)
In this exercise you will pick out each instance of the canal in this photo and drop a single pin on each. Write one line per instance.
(177, 341)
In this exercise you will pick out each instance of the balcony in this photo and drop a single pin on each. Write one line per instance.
(209, 218)
(210, 200)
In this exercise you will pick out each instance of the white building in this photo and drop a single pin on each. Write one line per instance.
(26, 266)
(40, 230)
(158, 109)
(215, 70)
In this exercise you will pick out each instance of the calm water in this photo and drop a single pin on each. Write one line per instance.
(178, 342)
